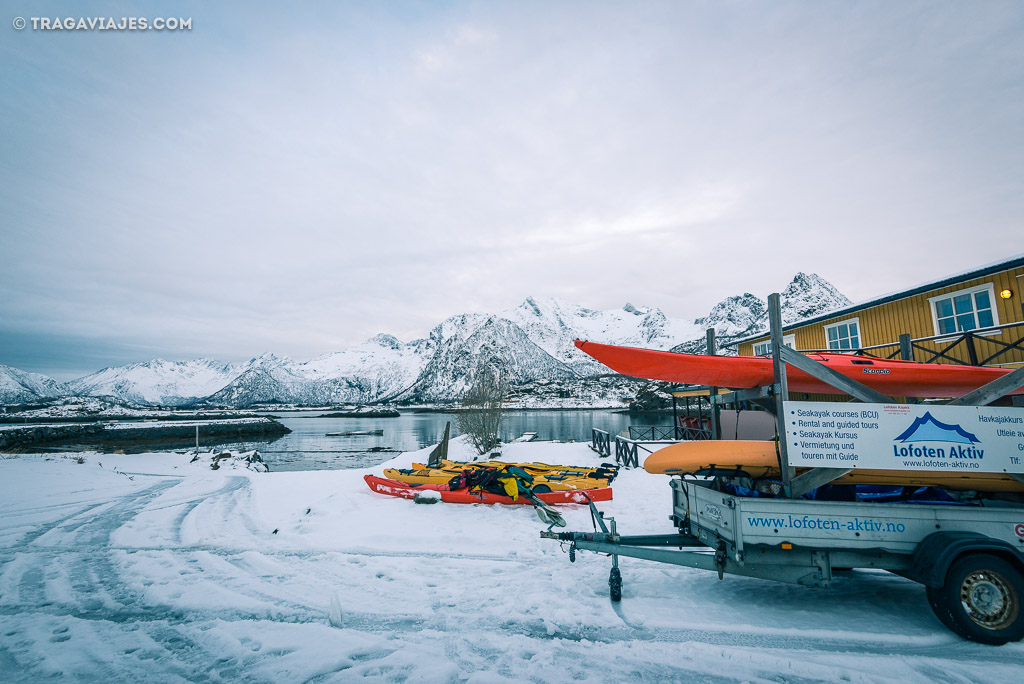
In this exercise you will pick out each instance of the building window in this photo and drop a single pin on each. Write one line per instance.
(843, 335)
(965, 310)
(765, 348)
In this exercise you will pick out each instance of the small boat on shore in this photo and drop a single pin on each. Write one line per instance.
(355, 433)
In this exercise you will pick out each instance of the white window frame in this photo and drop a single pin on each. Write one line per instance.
(847, 321)
(987, 287)
(787, 340)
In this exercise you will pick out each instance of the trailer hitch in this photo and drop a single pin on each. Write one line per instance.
(609, 538)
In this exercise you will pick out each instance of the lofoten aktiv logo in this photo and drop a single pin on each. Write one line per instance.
(928, 437)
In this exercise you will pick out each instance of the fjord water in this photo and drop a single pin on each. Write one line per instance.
(308, 447)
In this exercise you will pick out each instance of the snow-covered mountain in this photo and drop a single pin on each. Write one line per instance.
(809, 295)
(265, 379)
(378, 368)
(733, 318)
(19, 387)
(553, 325)
(160, 382)
(531, 345)
(496, 344)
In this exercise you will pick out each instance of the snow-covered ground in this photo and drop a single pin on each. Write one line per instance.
(147, 567)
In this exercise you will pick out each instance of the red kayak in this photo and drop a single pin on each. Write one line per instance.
(382, 485)
(894, 378)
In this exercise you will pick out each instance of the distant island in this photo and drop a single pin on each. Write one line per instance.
(365, 412)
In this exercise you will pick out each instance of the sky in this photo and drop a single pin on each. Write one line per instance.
(299, 179)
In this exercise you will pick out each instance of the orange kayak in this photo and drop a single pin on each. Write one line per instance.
(893, 378)
(759, 459)
(382, 485)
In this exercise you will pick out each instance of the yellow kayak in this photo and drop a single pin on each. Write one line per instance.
(550, 480)
(759, 459)
(534, 468)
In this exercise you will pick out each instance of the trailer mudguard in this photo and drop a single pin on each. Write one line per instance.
(938, 551)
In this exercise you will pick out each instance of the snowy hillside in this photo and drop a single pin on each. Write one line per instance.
(733, 318)
(381, 366)
(810, 295)
(19, 387)
(267, 378)
(274, 379)
(553, 324)
(496, 344)
(167, 383)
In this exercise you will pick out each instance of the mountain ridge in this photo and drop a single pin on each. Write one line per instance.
(531, 345)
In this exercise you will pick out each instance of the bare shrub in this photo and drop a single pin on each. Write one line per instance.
(480, 419)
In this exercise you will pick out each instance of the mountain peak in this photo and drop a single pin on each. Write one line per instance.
(385, 340)
(807, 295)
(735, 316)
(17, 386)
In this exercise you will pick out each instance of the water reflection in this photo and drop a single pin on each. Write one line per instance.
(308, 447)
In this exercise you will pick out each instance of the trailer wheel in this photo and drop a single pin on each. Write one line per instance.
(981, 599)
(615, 585)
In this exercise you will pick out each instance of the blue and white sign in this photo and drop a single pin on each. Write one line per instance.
(978, 439)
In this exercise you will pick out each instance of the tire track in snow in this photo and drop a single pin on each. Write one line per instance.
(233, 484)
(98, 593)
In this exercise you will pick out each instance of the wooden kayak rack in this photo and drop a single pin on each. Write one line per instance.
(772, 397)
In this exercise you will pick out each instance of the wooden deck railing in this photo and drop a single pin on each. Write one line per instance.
(974, 345)
(600, 441)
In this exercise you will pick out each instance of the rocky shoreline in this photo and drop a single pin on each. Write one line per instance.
(136, 435)
(47, 434)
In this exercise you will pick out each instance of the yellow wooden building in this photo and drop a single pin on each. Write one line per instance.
(976, 317)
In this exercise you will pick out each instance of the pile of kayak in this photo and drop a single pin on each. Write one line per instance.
(494, 482)
(540, 477)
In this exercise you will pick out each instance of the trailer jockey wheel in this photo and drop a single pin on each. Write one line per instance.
(981, 599)
(615, 584)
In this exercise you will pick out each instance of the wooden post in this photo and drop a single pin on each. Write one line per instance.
(972, 354)
(716, 428)
(906, 347)
(781, 388)
(197, 439)
(675, 418)
(440, 452)
(700, 413)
